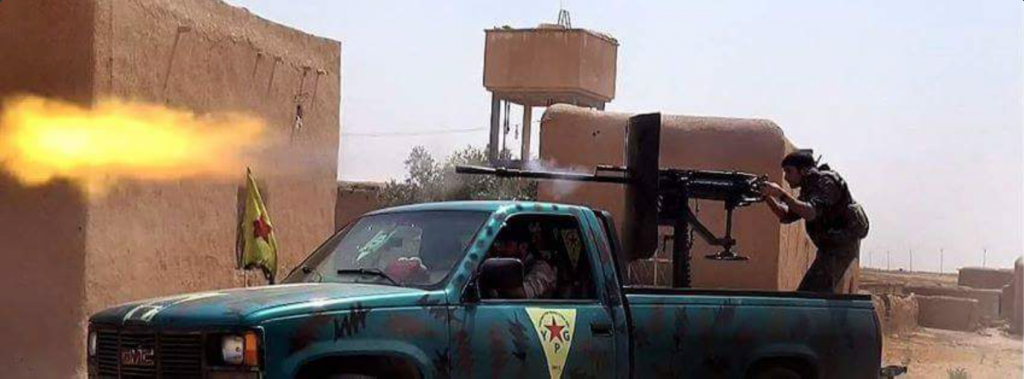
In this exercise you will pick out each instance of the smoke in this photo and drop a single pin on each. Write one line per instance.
(560, 189)
(45, 139)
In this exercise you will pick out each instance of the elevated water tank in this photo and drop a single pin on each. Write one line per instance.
(548, 65)
(540, 67)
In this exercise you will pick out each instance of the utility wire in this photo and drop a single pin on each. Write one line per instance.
(418, 133)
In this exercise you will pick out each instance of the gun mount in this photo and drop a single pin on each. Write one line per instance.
(656, 196)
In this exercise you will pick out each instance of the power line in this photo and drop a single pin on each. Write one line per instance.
(412, 134)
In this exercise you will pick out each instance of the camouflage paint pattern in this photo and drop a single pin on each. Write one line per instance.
(711, 336)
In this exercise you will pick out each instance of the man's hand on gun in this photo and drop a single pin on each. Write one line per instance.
(771, 189)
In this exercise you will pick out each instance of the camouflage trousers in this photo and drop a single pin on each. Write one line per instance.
(829, 266)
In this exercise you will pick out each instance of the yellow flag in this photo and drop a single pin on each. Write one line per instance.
(259, 246)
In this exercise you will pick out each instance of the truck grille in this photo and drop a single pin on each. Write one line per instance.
(126, 354)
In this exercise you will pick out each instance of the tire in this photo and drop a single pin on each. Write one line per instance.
(777, 372)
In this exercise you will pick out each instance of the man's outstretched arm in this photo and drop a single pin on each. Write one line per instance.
(802, 209)
(786, 207)
(781, 210)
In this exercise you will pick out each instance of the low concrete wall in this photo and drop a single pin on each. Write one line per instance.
(897, 313)
(988, 278)
(988, 300)
(946, 312)
(1006, 302)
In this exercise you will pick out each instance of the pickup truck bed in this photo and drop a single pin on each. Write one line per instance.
(728, 333)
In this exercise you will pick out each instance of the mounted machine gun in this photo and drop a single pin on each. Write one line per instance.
(656, 196)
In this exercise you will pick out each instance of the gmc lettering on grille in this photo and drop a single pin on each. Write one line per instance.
(138, 357)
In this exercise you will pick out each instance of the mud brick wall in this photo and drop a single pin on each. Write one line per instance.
(42, 265)
(579, 139)
(67, 255)
(988, 300)
(987, 278)
(354, 199)
(944, 312)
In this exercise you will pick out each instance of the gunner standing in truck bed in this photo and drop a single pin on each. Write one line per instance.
(835, 222)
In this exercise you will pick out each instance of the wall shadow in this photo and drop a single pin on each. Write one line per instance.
(42, 274)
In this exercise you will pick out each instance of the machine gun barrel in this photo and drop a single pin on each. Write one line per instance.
(502, 172)
(738, 188)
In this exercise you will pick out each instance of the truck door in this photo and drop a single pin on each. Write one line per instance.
(555, 327)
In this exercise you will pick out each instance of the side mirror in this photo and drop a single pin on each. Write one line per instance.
(501, 274)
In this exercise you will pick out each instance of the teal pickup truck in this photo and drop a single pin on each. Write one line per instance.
(417, 291)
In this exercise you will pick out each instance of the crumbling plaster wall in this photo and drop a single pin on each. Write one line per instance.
(580, 139)
(897, 314)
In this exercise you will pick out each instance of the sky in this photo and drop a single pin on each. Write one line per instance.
(918, 104)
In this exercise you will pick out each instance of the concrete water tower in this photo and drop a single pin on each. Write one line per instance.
(542, 66)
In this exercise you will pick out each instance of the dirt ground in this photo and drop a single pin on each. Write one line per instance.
(869, 276)
(934, 353)
(938, 353)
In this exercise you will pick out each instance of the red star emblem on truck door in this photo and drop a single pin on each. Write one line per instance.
(261, 228)
(555, 331)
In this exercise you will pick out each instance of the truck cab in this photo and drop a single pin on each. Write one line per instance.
(482, 289)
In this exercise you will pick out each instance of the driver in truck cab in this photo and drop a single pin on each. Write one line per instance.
(539, 274)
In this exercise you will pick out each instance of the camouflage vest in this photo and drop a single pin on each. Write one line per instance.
(844, 222)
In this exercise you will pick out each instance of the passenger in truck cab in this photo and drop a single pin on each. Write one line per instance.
(539, 273)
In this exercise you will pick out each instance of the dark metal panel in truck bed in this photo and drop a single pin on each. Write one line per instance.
(724, 333)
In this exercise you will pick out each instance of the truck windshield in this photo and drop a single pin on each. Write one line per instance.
(415, 249)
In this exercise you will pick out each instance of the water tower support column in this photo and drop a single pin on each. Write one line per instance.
(492, 148)
(527, 132)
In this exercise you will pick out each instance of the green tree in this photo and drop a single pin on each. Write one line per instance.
(428, 180)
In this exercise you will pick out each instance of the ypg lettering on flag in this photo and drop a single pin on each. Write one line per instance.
(555, 329)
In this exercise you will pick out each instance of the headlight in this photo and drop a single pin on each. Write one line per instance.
(239, 349)
(232, 349)
(92, 344)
